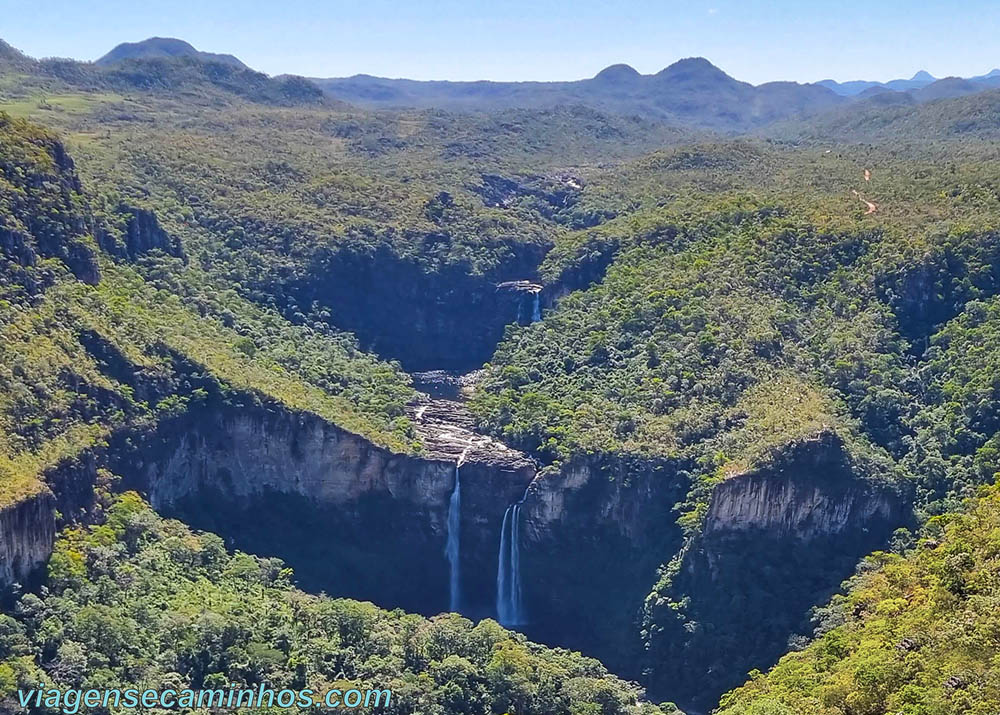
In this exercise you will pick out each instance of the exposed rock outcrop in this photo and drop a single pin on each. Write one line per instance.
(27, 531)
(549, 194)
(138, 233)
(350, 517)
(775, 542)
(783, 507)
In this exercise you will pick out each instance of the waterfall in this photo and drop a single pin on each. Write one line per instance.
(451, 549)
(510, 593)
(536, 310)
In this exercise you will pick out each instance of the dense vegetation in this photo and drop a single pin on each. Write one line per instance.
(139, 601)
(915, 634)
(239, 239)
(739, 267)
(725, 329)
(82, 360)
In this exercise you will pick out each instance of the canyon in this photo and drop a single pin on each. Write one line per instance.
(569, 553)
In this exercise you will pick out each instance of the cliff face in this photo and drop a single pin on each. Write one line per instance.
(354, 519)
(349, 517)
(594, 534)
(426, 319)
(140, 233)
(27, 530)
(775, 542)
(783, 507)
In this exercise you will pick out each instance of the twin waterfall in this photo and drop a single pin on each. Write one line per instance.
(510, 595)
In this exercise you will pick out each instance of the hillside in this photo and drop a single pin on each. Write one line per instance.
(713, 333)
(914, 633)
(885, 118)
(198, 78)
(163, 47)
(547, 332)
(91, 348)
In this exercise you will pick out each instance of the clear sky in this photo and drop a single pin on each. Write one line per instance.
(752, 40)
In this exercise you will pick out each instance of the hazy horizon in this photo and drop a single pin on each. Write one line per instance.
(521, 41)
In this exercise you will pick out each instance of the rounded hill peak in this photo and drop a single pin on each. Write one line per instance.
(690, 67)
(618, 73)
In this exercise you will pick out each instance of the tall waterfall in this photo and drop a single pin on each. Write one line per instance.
(452, 547)
(510, 594)
(536, 310)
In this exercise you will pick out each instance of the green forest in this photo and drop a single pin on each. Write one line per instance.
(754, 373)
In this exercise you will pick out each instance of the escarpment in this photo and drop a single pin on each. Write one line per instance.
(350, 517)
(444, 318)
(594, 533)
(775, 542)
(27, 530)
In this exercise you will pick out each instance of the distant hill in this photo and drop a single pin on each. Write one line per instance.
(202, 76)
(693, 92)
(856, 87)
(13, 58)
(904, 117)
(938, 88)
(163, 47)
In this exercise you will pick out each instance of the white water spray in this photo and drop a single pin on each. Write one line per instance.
(452, 549)
(536, 309)
(510, 593)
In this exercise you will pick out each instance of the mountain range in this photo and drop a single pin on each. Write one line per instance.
(920, 80)
(691, 92)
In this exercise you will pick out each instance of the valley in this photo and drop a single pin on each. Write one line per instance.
(627, 386)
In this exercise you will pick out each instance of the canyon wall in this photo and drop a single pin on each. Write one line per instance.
(595, 532)
(351, 518)
(27, 530)
(443, 319)
(775, 542)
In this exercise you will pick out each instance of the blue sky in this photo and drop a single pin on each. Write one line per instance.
(535, 40)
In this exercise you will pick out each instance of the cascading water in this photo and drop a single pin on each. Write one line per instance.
(536, 310)
(452, 549)
(452, 546)
(510, 594)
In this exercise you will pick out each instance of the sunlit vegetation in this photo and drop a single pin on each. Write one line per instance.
(140, 601)
(81, 360)
(914, 633)
(718, 302)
